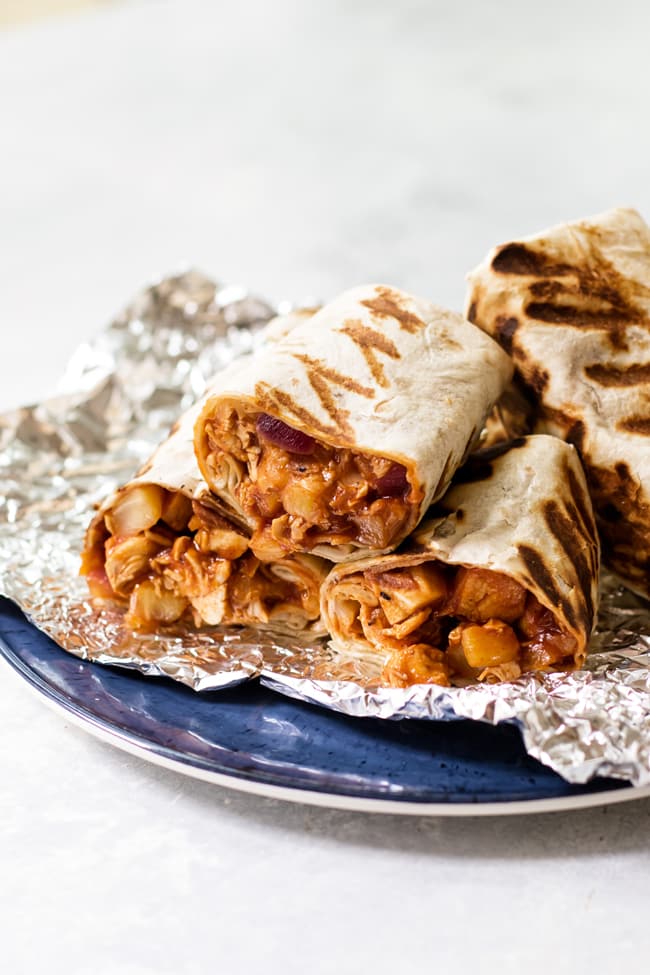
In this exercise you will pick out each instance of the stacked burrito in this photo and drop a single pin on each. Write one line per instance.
(501, 577)
(571, 305)
(322, 486)
(162, 545)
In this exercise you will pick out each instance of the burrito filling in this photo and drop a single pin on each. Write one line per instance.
(300, 493)
(441, 624)
(172, 558)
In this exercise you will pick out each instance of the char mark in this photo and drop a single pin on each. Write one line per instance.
(635, 424)
(540, 573)
(479, 465)
(581, 501)
(505, 330)
(574, 543)
(370, 342)
(518, 259)
(333, 376)
(609, 375)
(387, 305)
(606, 318)
(274, 400)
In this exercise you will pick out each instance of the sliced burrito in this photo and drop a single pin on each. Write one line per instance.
(336, 439)
(572, 307)
(502, 577)
(162, 545)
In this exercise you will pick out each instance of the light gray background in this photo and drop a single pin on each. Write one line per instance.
(297, 148)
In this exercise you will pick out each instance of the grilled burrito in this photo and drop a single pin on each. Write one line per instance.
(162, 545)
(501, 578)
(336, 439)
(572, 307)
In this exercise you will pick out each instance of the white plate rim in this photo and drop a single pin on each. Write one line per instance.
(327, 799)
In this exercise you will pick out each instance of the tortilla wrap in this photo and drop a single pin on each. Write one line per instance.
(572, 307)
(501, 577)
(336, 438)
(161, 544)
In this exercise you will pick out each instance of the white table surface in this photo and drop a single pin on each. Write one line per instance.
(298, 149)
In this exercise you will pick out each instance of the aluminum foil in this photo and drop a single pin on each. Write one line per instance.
(119, 397)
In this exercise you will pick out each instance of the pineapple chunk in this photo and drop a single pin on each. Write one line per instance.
(138, 509)
(303, 498)
(224, 542)
(485, 646)
(177, 510)
(150, 603)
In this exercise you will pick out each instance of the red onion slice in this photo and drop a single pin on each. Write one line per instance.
(394, 483)
(276, 432)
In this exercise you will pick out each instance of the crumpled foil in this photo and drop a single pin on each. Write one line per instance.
(119, 396)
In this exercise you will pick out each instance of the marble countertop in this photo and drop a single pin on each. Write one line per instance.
(297, 149)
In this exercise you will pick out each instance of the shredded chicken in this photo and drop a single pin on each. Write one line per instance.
(172, 558)
(297, 500)
(441, 624)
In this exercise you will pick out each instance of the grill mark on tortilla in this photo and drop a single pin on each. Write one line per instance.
(572, 542)
(625, 538)
(539, 573)
(635, 424)
(324, 393)
(438, 511)
(387, 305)
(321, 377)
(317, 367)
(599, 296)
(505, 329)
(590, 548)
(610, 320)
(368, 340)
(622, 513)
(536, 378)
(271, 399)
(478, 466)
(615, 484)
(609, 375)
(519, 259)
(545, 289)
(573, 430)
(581, 500)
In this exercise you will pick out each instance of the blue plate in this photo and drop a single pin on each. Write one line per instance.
(253, 739)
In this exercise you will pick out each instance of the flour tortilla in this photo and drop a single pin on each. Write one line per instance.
(524, 513)
(173, 466)
(377, 371)
(572, 307)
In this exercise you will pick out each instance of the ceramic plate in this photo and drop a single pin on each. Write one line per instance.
(252, 739)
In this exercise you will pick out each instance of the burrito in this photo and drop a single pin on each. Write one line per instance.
(162, 546)
(572, 307)
(335, 439)
(501, 578)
